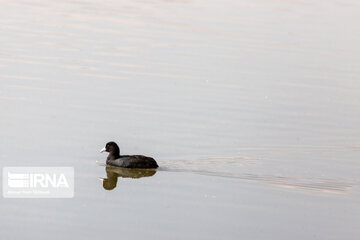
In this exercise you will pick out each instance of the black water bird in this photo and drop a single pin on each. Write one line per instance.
(126, 161)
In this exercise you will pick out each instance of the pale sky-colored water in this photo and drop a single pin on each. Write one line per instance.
(250, 107)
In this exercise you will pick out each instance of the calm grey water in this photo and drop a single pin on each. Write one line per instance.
(251, 108)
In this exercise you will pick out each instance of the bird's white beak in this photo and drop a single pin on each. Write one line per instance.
(103, 150)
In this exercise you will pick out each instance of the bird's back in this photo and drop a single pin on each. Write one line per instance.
(133, 161)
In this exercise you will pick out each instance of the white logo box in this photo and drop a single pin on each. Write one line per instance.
(38, 182)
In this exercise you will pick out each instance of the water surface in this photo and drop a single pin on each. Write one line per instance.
(251, 109)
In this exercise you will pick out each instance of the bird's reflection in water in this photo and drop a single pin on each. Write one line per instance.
(113, 173)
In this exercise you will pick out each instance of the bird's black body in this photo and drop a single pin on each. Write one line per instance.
(127, 161)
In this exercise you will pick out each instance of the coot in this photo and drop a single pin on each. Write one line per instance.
(126, 161)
